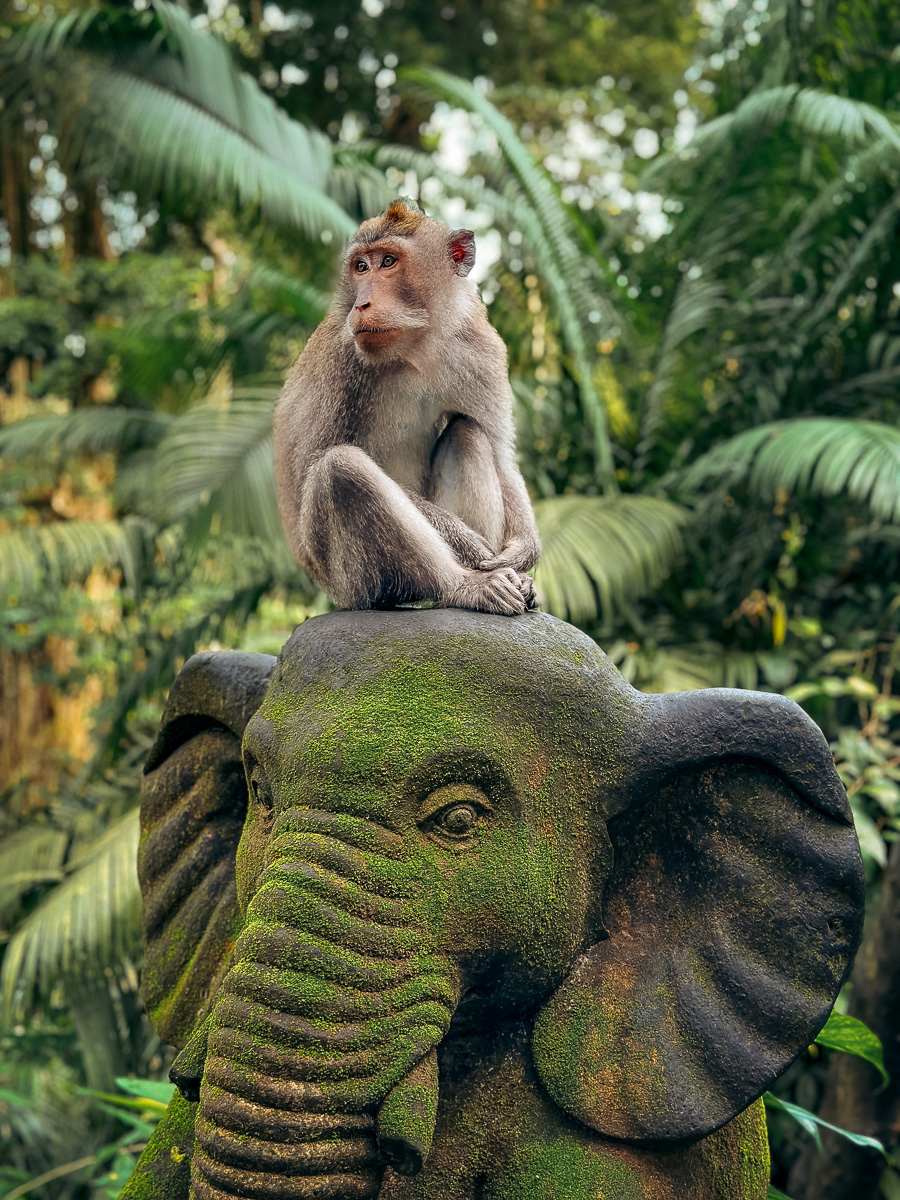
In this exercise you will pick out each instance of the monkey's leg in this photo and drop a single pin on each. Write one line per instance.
(373, 547)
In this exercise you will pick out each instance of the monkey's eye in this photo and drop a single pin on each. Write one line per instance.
(388, 260)
(454, 814)
(361, 266)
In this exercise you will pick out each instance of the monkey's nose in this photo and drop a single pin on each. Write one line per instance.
(365, 304)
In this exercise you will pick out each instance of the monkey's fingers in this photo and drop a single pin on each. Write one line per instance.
(498, 592)
(528, 590)
(512, 555)
(502, 587)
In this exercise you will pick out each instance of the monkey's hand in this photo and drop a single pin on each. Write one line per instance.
(492, 592)
(520, 553)
(469, 547)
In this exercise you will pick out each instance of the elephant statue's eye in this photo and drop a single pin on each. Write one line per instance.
(261, 792)
(455, 812)
(459, 820)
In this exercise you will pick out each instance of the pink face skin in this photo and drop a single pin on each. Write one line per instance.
(383, 306)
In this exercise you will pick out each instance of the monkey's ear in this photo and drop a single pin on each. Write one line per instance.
(461, 248)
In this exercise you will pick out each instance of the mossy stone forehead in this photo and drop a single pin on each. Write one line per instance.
(407, 684)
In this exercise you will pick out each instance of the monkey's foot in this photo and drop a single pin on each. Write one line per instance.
(497, 592)
(528, 590)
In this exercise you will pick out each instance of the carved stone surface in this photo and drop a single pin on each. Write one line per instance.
(493, 925)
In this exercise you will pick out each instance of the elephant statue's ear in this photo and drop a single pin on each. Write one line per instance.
(734, 908)
(193, 803)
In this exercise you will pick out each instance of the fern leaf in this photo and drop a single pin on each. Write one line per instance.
(827, 456)
(87, 923)
(84, 431)
(599, 553)
(64, 552)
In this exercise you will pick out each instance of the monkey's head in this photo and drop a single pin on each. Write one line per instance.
(402, 270)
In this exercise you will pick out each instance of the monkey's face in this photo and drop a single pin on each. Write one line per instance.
(388, 309)
(401, 271)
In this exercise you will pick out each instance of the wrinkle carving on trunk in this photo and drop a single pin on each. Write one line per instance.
(333, 997)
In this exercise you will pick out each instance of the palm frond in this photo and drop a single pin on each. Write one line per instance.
(219, 462)
(880, 229)
(29, 857)
(84, 431)
(356, 182)
(187, 113)
(308, 302)
(63, 552)
(827, 456)
(87, 923)
(885, 382)
(694, 303)
(555, 241)
(163, 660)
(813, 112)
(867, 166)
(601, 552)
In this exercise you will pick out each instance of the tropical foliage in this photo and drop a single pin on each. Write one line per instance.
(696, 271)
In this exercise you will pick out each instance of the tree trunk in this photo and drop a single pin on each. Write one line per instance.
(851, 1098)
(101, 1051)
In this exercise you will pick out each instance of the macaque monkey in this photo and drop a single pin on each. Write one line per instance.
(394, 438)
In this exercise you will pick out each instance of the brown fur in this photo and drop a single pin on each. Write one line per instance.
(394, 440)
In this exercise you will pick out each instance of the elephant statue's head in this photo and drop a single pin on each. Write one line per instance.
(414, 824)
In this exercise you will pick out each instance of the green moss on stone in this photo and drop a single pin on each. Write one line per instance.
(163, 1172)
(562, 1169)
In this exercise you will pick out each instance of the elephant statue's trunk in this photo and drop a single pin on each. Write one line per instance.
(334, 998)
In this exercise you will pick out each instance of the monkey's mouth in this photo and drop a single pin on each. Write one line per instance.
(374, 337)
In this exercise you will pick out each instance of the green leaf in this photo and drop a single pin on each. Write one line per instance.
(153, 1089)
(827, 456)
(809, 1121)
(169, 99)
(601, 552)
(871, 843)
(83, 431)
(853, 1037)
(774, 1194)
(216, 464)
(62, 552)
(890, 1185)
(28, 857)
(815, 113)
(87, 923)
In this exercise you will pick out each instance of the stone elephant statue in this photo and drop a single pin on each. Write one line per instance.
(438, 906)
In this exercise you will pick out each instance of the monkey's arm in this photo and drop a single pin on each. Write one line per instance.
(367, 544)
(469, 547)
(521, 543)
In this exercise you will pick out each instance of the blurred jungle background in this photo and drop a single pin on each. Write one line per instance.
(687, 217)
